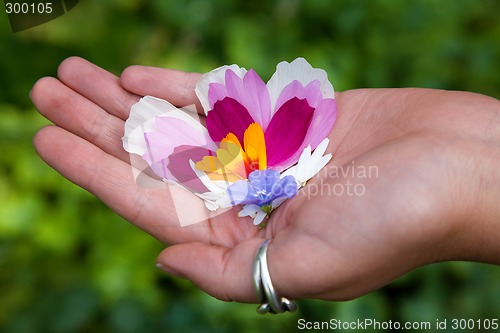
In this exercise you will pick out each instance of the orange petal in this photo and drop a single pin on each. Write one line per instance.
(255, 147)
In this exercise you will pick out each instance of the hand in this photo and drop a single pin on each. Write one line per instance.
(432, 194)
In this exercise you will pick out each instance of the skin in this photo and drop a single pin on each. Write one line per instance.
(433, 198)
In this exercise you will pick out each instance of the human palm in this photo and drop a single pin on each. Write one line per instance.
(330, 245)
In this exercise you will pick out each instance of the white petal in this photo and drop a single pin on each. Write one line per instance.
(225, 201)
(249, 210)
(218, 75)
(289, 172)
(309, 164)
(321, 148)
(142, 120)
(259, 218)
(210, 204)
(299, 70)
(305, 156)
(209, 184)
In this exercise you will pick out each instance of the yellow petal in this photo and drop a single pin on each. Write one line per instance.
(230, 137)
(255, 147)
(208, 164)
(230, 156)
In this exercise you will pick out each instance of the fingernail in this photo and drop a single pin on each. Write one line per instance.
(169, 270)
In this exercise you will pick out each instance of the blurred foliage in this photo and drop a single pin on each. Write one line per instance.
(66, 260)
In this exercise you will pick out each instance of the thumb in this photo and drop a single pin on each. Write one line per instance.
(225, 273)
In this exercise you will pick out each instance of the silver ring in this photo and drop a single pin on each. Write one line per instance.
(270, 301)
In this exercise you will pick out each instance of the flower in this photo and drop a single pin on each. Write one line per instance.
(295, 109)
(264, 189)
(254, 132)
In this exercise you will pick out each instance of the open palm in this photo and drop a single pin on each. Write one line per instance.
(392, 198)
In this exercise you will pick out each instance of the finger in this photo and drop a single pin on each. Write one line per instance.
(111, 180)
(225, 273)
(98, 85)
(75, 113)
(177, 87)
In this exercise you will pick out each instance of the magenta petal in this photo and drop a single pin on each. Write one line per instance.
(321, 125)
(228, 116)
(287, 130)
(176, 167)
(181, 169)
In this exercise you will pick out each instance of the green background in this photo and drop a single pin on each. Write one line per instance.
(69, 264)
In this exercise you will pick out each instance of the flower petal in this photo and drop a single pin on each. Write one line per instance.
(171, 133)
(216, 92)
(311, 93)
(174, 139)
(142, 120)
(286, 188)
(179, 167)
(249, 210)
(299, 70)
(241, 192)
(218, 187)
(249, 90)
(322, 122)
(309, 164)
(217, 195)
(228, 116)
(286, 132)
(252, 93)
(255, 147)
(218, 75)
(259, 217)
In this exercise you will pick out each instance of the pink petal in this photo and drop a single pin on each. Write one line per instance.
(228, 116)
(170, 134)
(252, 93)
(287, 130)
(311, 93)
(218, 75)
(216, 92)
(324, 117)
(299, 70)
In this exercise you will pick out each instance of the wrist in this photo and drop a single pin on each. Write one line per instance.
(476, 222)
